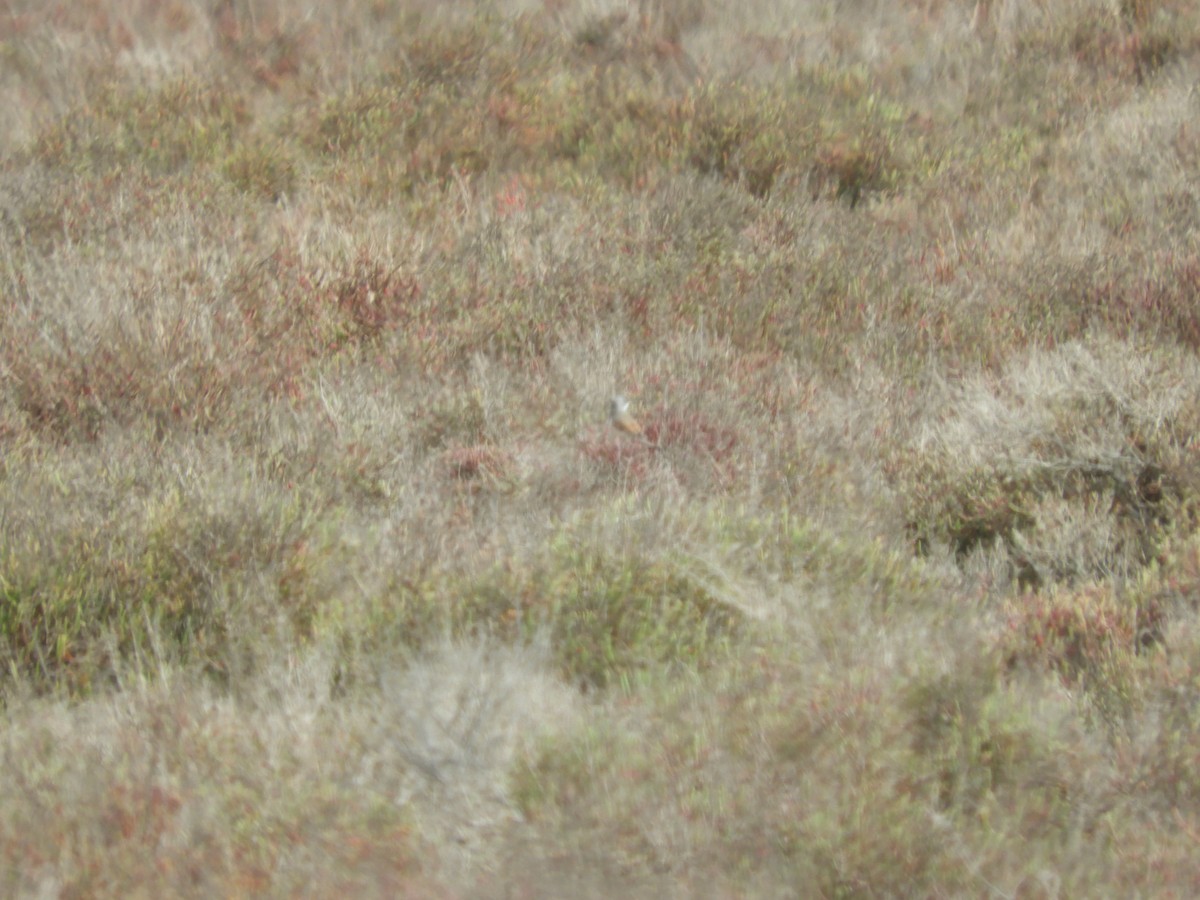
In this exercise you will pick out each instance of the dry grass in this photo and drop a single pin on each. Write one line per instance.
(322, 572)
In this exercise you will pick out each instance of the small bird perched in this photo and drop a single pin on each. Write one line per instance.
(618, 412)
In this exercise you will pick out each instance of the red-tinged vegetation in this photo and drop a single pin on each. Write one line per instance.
(323, 572)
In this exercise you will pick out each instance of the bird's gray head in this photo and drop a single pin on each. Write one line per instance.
(617, 406)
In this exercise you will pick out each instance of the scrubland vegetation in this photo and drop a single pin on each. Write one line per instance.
(323, 574)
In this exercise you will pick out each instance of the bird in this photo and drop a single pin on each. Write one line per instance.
(618, 412)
